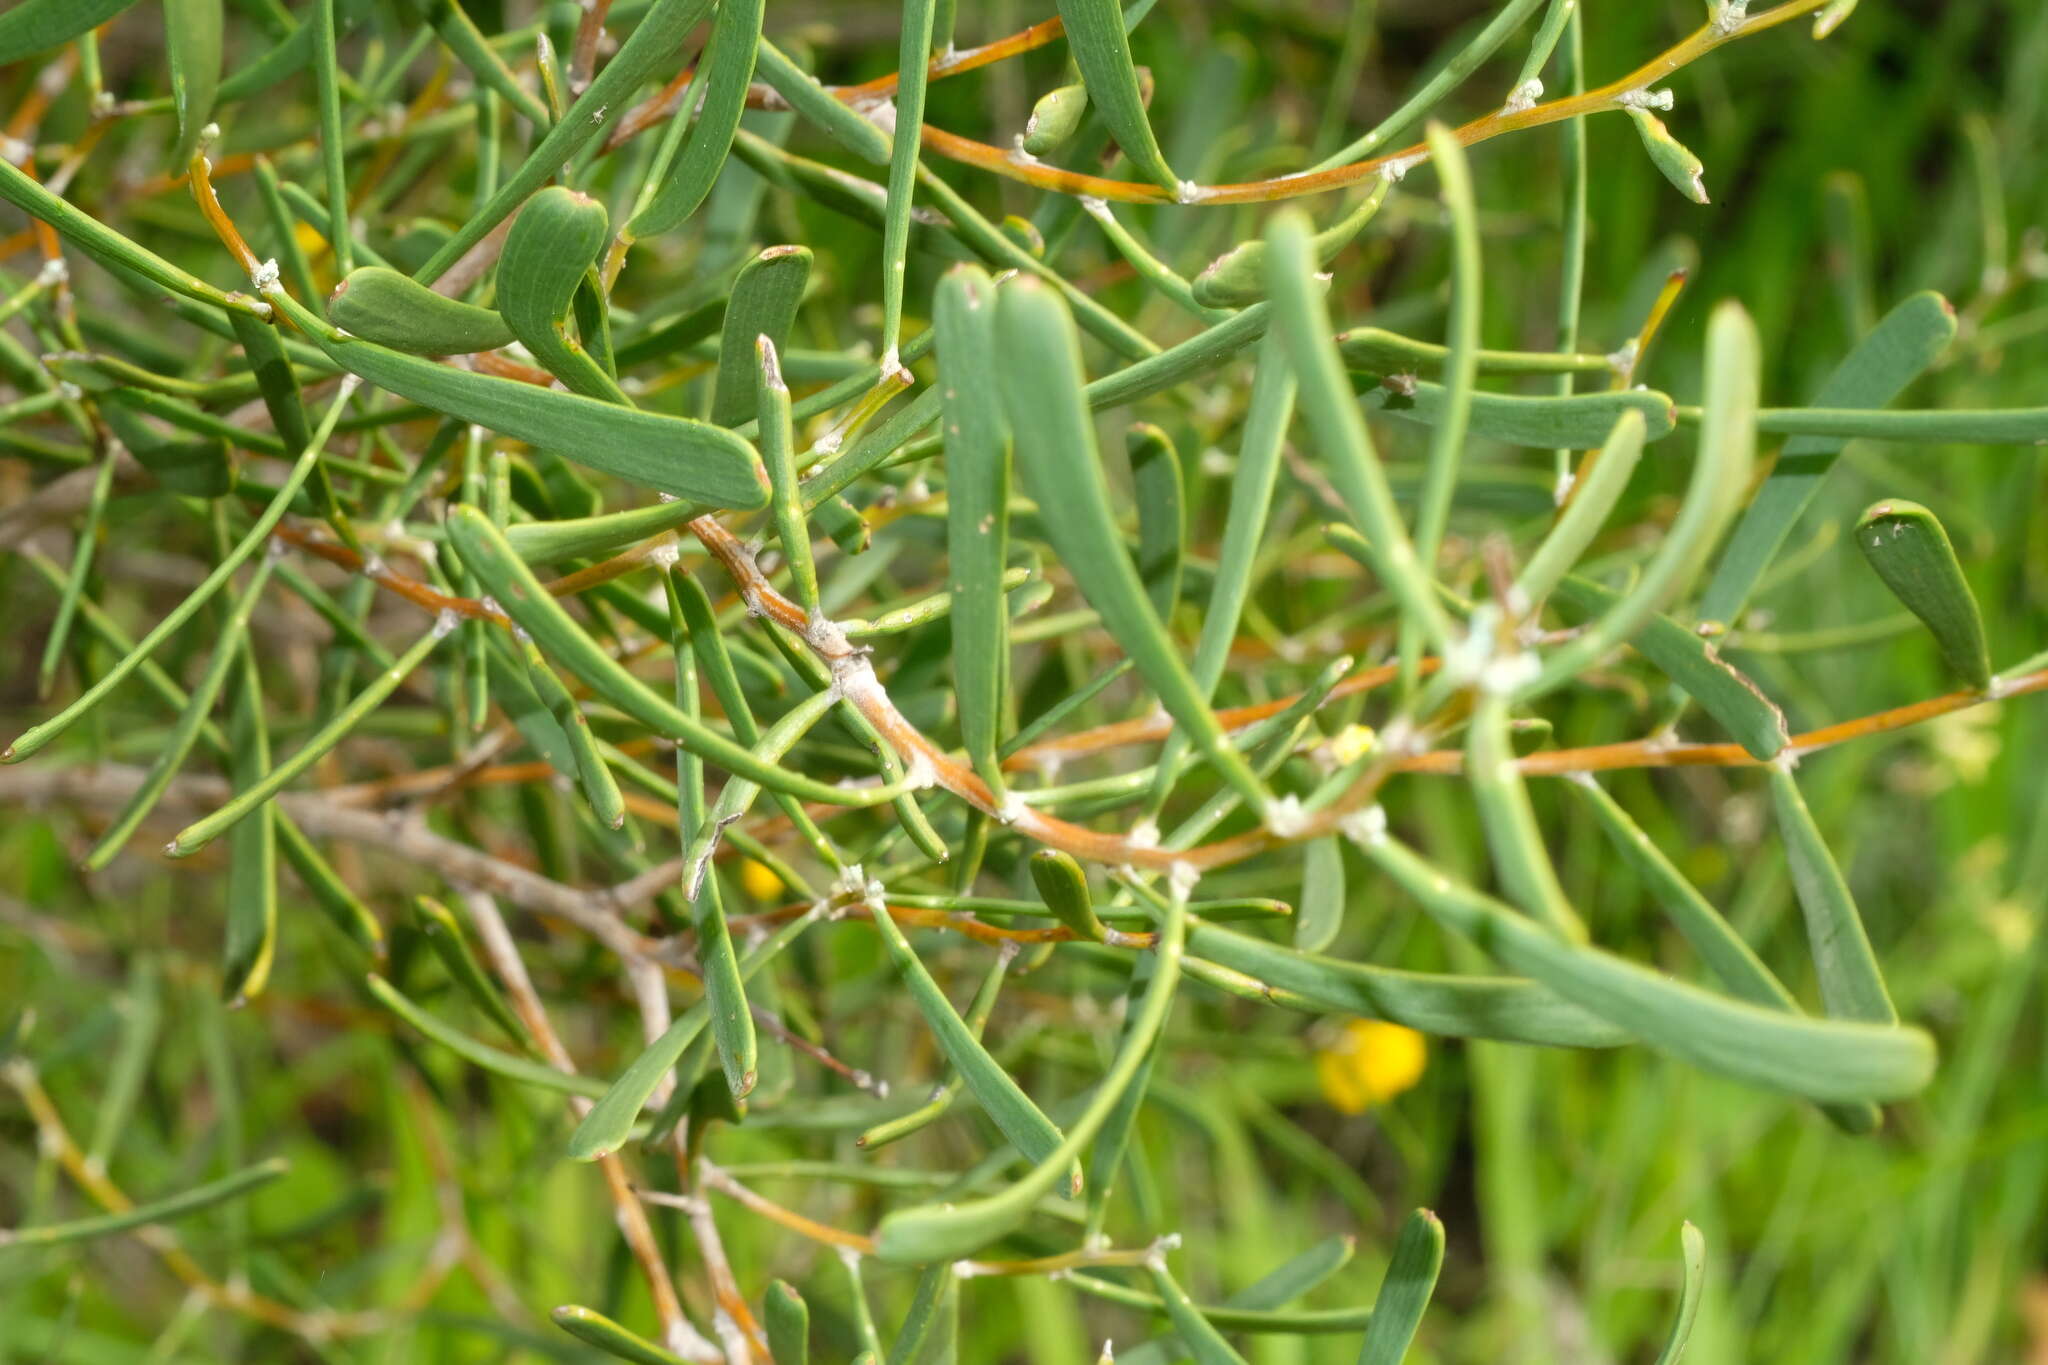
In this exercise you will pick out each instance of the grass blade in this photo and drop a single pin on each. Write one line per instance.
(153, 1214)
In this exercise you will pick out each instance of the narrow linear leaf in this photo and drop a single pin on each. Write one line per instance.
(35, 26)
(1322, 895)
(727, 67)
(1851, 982)
(1521, 860)
(1404, 1293)
(610, 1121)
(452, 22)
(1909, 339)
(191, 720)
(1712, 937)
(1278, 1286)
(192, 39)
(443, 932)
(1598, 488)
(1378, 351)
(1512, 1009)
(1158, 486)
(1339, 426)
(257, 795)
(1693, 1269)
(778, 452)
(1039, 373)
(788, 1319)
(1101, 50)
(850, 128)
(1580, 421)
(1819, 1059)
(1197, 1333)
(1691, 661)
(36, 736)
(1720, 477)
(381, 305)
(1907, 547)
(547, 255)
(946, 1231)
(913, 63)
(663, 27)
(763, 303)
(689, 459)
(481, 1055)
(977, 455)
(1006, 1104)
(153, 1214)
(508, 580)
(595, 1329)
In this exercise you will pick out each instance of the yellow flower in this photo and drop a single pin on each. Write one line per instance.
(1370, 1062)
(758, 882)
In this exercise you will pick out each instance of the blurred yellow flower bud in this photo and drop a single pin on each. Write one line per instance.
(1370, 1062)
(758, 882)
